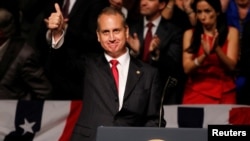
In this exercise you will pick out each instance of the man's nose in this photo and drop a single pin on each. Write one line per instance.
(111, 37)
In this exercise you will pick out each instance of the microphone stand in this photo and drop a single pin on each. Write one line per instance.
(171, 82)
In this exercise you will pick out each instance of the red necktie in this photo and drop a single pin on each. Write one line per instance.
(147, 41)
(65, 9)
(115, 72)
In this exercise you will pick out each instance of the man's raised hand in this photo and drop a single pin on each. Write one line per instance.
(56, 21)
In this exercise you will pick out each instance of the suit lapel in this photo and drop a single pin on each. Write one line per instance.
(107, 75)
(108, 87)
(134, 74)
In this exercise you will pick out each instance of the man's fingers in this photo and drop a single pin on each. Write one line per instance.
(57, 7)
(49, 25)
(46, 21)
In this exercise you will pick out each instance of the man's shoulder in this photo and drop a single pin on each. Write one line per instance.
(169, 25)
(19, 46)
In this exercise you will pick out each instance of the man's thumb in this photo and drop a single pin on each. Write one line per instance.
(57, 7)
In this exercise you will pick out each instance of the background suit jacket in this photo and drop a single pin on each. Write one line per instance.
(170, 60)
(21, 75)
(100, 100)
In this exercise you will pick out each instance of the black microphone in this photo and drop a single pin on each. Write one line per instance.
(171, 82)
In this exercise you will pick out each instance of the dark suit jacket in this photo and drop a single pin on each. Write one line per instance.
(170, 60)
(22, 77)
(100, 104)
(81, 31)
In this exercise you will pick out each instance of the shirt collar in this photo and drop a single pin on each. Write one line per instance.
(122, 59)
(155, 22)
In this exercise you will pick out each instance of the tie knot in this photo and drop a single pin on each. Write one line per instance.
(114, 62)
(150, 24)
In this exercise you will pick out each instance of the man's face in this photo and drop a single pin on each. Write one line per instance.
(151, 8)
(112, 34)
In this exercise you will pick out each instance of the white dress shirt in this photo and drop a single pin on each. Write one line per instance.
(122, 67)
(156, 23)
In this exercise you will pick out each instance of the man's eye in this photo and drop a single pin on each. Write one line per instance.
(105, 32)
(117, 31)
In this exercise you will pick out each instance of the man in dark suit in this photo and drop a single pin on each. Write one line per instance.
(133, 101)
(165, 48)
(21, 75)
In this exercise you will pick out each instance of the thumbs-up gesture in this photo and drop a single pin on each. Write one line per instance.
(56, 22)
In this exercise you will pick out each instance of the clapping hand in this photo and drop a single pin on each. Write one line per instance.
(207, 47)
(154, 46)
(134, 42)
(187, 5)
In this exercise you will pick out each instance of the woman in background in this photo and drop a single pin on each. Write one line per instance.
(210, 54)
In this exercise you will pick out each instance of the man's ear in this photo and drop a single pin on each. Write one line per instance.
(162, 5)
(98, 36)
(127, 31)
